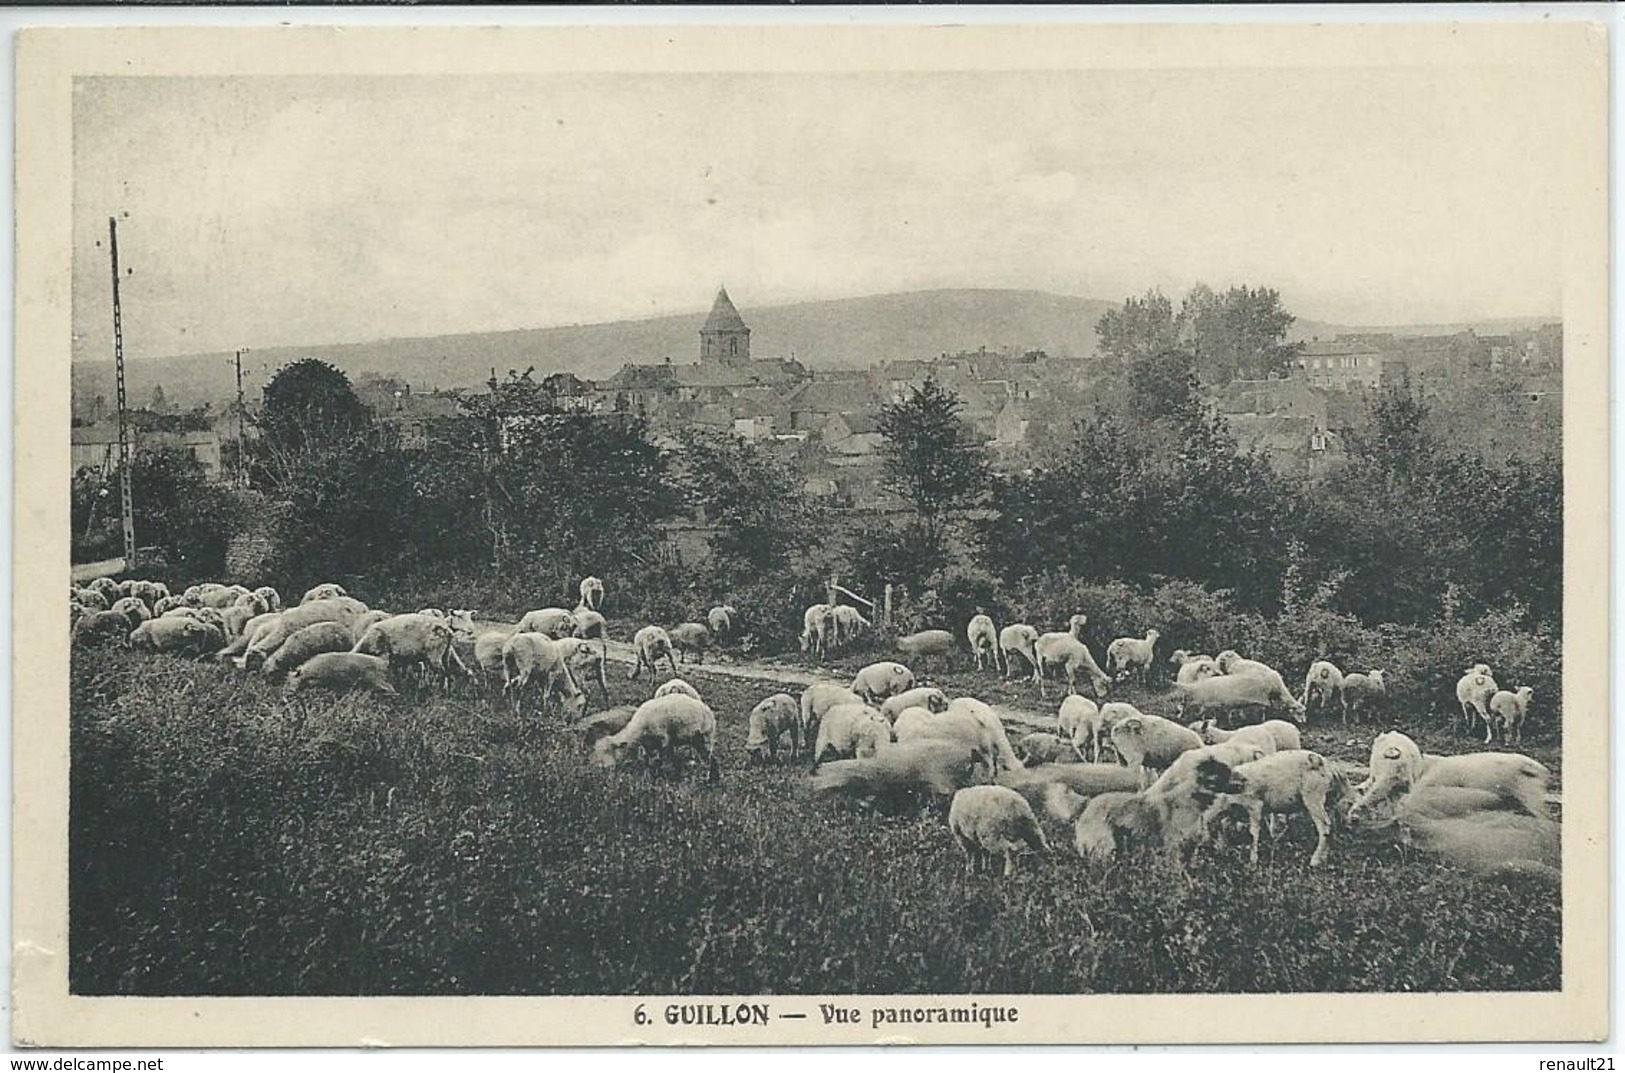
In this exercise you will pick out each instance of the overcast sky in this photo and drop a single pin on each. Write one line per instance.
(266, 211)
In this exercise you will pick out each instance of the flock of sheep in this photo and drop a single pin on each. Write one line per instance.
(885, 736)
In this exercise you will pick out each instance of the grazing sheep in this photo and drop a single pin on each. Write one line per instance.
(533, 658)
(487, 654)
(720, 619)
(851, 730)
(847, 623)
(817, 628)
(1150, 742)
(1362, 691)
(1193, 668)
(930, 698)
(1006, 759)
(817, 699)
(768, 722)
(927, 644)
(180, 636)
(270, 638)
(592, 593)
(273, 600)
(587, 661)
(1067, 652)
(1321, 686)
(590, 624)
(1078, 722)
(303, 644)
(984, 641)
(1042, 747)
(554, 623)
(1273, 734)
(341, 672)
(918, 769)
(678, 685)
(1235, 692)
(1282, 784)
(1167, 814)
(107, 587)
(661, 726)
(1132, 656)
(365, 621)
(878, 681)
(91, 599)
(690, 639)
(322, 592)
(1020, 639)
(1474, 692)
(132, 608)
(99, 627)
(607, 722)
(247, 635)
(962, 727)
(1233, 663)
(415, 640)
(1079, 781)
(650, 643)
(992, 821)
(1510, 709)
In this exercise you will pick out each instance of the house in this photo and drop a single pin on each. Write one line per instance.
(95, 447)
(1347, 362)
(853, 434)
(807, 407)
(419, 418)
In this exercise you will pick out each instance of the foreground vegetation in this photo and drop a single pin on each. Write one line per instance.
(223, 843)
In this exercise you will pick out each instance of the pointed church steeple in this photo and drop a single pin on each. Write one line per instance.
(724, 337)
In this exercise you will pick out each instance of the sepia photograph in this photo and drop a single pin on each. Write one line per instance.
(799, 535)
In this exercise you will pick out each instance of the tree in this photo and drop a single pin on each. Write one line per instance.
(1143, 326)
(1240, 333)
(930, 456)
(756, 503)
(160, 402)
(309, 414)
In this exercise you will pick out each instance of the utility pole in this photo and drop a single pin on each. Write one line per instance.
(242, 456)
(125, 507)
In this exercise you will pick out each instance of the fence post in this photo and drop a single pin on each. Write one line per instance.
(887, 615)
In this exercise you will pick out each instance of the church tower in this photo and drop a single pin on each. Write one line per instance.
(724, 338)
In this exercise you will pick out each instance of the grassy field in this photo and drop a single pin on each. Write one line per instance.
(225, 844)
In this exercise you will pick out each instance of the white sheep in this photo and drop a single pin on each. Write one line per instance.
(273, 600)
(1078, 722)
(649, 644)
(533, 657)
(271, 637)
(961, 727)
(1361, 691)
(847, 624)
(95, 600)
(365, 621)
(1192, 668)
(1235, 692)
(1150, 742)
(720, 619)
(1468, 828)
(1019, 639)
(878, 681)
(928, 768)
(993, 821)
(926, 645)
(587, 661)
(690, 639)
(662, 726)
(1132, 656)
(304, 644)
(1006, 759)
(1282, 784)
(553, 622)
(851, 730)
(181, 636)
(341, 672)
(984, 641)
(678, 685)
(767, 724)
(1042, 747)
(1398, 768)
(414, 640)
(1167, 814)
(1323, 685)
(817, 628)
(1273, 734)
(590, 624)
(1067, 652)
(317, 592)
(928, 697)
(1511, 709)
(133, 608)
(98, 627)
(1473, 693)
(487, 654)
(592, 593)
(1079, 781)
(817, 699)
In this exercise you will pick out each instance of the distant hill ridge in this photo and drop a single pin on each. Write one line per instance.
(832, 334)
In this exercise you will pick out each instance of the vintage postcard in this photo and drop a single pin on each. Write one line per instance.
(811, 535)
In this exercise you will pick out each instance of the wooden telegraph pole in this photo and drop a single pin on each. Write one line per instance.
(125, 507)
(242, 457)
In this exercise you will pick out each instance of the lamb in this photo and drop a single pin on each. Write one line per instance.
(847, 623)
(720, 619)
(1132, 656)
(1005, 757)
(1067, 652)
(1168, 814)
(1283, 783)
(817, 626)
(1147, 742)
(927, 644)
(1193, 668)
(1020, 639)
(662, 726)
(553, 622)
(1321, 686)
(588, 661)
(412, 640)
(878, 681)
(341, 672)
(532, 657)
(1078, 722)
(1511, 709)
(592, 593)
(1235, 692)
(1272, 734)
(132, 608)
(768, 722)
(1363, 690)
(590, 624)
(650, 643)
(305, 643)
(817, 699)
(930, 698)
(690, 639)
(851, 730)
(1042, 748)
(323, 592)
(678, 685)
(992, 821)
(181, 636)
(1474, 692)
(984, 641)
